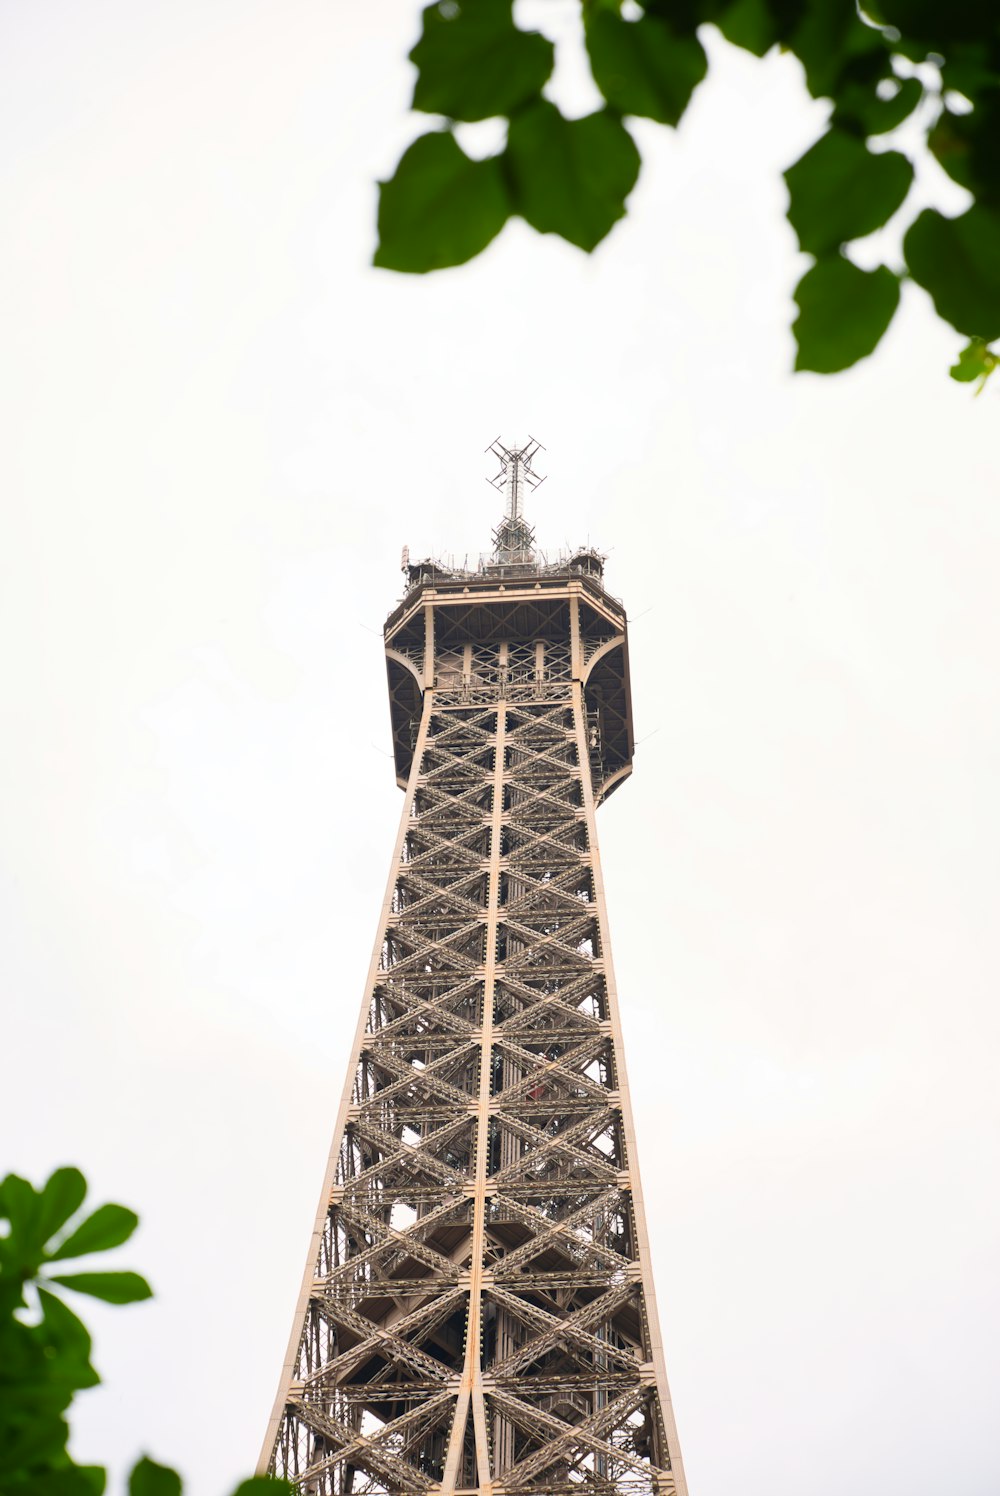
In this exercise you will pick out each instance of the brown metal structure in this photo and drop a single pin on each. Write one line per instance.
(477, 1314)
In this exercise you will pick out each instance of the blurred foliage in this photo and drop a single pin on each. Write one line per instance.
(45, 1348)
(935, 65)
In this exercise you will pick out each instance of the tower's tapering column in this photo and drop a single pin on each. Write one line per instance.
(477, 1314)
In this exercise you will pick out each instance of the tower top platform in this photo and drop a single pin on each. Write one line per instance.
(537, 574)
(515, 627)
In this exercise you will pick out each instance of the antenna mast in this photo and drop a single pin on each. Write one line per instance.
(513, 538)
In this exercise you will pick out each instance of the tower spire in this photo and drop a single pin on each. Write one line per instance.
(514, 538)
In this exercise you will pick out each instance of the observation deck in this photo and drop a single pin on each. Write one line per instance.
(512, 629)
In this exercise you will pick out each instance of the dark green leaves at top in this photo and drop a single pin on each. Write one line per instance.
(832, 43)
(570, 177)
(840, 191)
(113, 1288)
(958, 261)
(440, 208)
(843, 311)
(108, 1227)
(827, 36)
(749, 24)
(643, 67)
(859, 104)
(474, 63)
(951, 142)
(150, 1479)
(968, 146)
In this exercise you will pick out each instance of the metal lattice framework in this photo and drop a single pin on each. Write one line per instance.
(477, 1313)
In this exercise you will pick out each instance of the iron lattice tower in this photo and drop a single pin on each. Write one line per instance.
(477, 1314)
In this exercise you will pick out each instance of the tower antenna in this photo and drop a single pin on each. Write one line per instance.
(514, 538)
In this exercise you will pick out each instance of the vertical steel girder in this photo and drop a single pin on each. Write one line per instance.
(478, 1313)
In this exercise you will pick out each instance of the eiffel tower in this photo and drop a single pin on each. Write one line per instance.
(477, 1314)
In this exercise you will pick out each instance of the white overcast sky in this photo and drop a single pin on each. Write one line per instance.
(220, 426)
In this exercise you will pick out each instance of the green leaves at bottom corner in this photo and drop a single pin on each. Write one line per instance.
(72, 1480)
(35, 1215)
(109, 1226)
(843, 312)
(113, 1288)
(439, 207)
(150, 1479)
(66, 1342)
(265, 1485)
(570, 176)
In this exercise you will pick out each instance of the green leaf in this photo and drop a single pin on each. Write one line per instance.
(150, 1479)
(265, 1485)
(951, 142)
(968, 66)
(439, 208)
(843, 312)
(974, 362)
(749, 24)
(839, 191)
(968, 147)
(643, 67)
(570, 177)
(113, 1288)
(62, 1195)
(19, 1203)
(62, 1327)
(831, 41)
(474, 63)
(958, 261)
(859, 102)
(108, 1227)
(72, 1480)
(61, 1332)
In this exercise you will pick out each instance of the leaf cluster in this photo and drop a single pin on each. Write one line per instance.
(937, 66)
(45, 1348)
